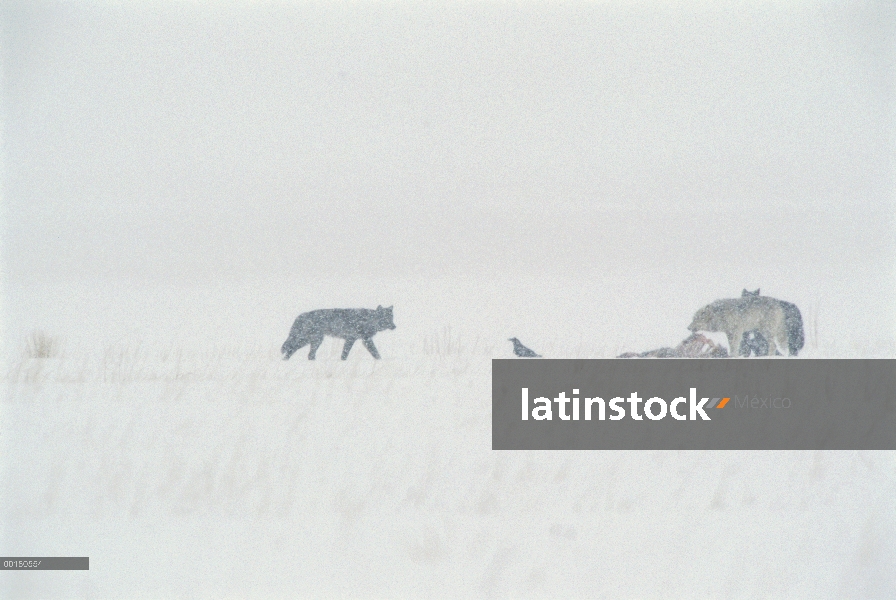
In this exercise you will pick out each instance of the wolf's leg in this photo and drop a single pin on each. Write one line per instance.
(745, 345)
(368, 343)
(772, 342)
(349, 342)
(785, 342)
(734, 339)
(315, 344)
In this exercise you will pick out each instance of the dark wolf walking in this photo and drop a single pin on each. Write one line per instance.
(349, 324)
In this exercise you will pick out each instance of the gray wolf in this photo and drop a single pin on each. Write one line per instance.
(737, 316)
(349, 324)
(793, 321)
(521, 350)
(694, 346)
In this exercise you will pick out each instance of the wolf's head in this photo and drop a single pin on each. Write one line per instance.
(289, 348)
(706, 319)
(384, 318)
(746, 294)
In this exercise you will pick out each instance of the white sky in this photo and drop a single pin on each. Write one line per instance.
(209, 140)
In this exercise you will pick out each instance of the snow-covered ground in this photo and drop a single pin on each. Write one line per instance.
(166, 439)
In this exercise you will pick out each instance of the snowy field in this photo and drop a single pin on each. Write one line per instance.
(182, 179)
(189, 461)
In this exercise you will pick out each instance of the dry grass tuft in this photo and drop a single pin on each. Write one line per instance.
(41, 345)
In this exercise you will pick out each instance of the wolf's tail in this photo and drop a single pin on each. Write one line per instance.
(793, 322)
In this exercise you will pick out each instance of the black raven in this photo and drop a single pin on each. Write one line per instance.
(521, 350)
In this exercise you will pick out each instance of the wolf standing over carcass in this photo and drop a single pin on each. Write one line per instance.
(777, 322)
(349, 324)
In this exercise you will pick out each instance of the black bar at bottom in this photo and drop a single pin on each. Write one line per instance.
(43, 563)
